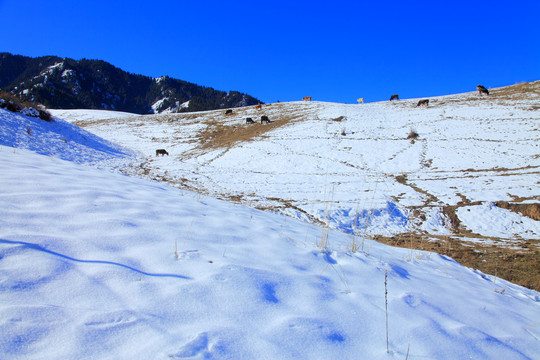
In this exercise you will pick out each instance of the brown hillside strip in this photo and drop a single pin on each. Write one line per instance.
(532, 87)
(217, 135)
(529, 210)
(521, 267)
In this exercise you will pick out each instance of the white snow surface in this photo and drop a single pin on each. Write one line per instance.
(98, 265)
(490, 220)
(86, 115)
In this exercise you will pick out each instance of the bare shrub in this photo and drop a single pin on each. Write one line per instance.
(12, 103)
(45, 115)
(412, 134)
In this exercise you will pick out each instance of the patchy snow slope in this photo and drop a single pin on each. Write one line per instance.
(99, 265)
(86, 115)
(349, 165)
(88, 270)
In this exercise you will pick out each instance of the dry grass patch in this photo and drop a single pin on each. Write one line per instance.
(520, 266)
(450, 212)
(530, 210)
(217, 135)
(512, 91)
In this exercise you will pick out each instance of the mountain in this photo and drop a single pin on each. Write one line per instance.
(63, 83)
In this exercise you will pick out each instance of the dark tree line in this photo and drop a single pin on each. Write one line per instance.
(94, 84)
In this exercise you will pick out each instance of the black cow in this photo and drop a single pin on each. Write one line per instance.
(424, 102)
(228, 112)
(482, 90)
(250, 121)
(264, 119)
(161, 152)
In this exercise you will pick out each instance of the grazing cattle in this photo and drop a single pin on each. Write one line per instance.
(306, 98)
(424, 102)
(394, 97)
(228, 112)
(250, 121)
(258, 106)
(360, 100)
(264, 119)
(482, 90)
(161, 152)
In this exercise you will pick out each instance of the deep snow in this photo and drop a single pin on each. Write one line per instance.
(95, 264)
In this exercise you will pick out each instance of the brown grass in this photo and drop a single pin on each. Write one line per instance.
(217, 135)
(519, 91)
(450, 212)
(520, 266)
(530, 210)
(512, 91)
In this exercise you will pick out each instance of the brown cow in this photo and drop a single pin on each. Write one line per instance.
(394, 97)
(258, 106)
(482, 90)
(161, 152)
(424, 102)
(306, 98)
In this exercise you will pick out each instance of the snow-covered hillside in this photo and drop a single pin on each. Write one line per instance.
(353, 167)
(99, 265)
(61, 139)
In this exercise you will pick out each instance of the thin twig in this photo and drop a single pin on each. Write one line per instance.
(386, 306)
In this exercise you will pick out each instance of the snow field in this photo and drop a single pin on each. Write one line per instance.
(468, 148)
(88, 270)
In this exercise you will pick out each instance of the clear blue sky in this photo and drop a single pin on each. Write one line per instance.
(284, 50)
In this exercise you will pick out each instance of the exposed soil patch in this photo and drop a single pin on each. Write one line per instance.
(287, 204)
(218, 135)
(518, 266)
(512, 91)
(450, 212)
(530, 210)
(498, 169)
(506, 93)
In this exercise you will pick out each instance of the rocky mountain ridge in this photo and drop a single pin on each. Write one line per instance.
(64, 83)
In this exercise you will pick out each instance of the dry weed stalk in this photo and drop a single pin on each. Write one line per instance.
(386, 305)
